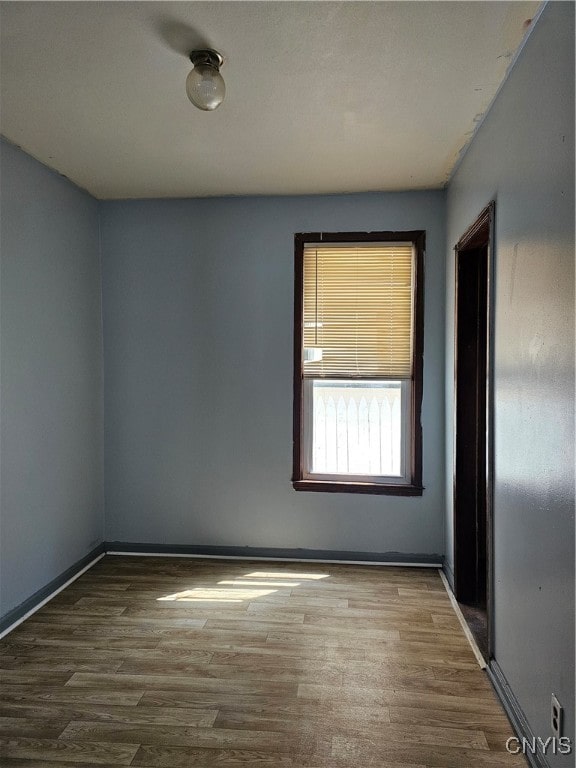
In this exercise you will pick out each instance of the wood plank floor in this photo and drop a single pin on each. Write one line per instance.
(182, 663)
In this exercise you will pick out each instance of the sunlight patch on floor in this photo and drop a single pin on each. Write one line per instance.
(241, 581)
(219, 595)
(285, 575)
(243, 588)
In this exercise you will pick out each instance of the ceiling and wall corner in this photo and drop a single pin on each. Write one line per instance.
(322, 97)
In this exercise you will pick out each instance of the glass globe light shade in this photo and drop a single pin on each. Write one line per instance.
(205, 87)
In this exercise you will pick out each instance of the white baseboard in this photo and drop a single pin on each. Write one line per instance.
(469, 636)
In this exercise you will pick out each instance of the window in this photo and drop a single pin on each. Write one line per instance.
(358, 362)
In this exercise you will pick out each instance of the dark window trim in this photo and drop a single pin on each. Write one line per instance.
(414, 488)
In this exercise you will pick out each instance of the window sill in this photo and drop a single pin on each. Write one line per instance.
(325, 486)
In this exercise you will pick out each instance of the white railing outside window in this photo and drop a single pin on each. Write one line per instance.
(356, 428)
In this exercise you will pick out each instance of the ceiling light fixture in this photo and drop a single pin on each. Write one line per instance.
(204, 85)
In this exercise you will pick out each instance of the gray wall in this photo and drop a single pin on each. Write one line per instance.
(51, 511)
(198, 317)
(523, 157)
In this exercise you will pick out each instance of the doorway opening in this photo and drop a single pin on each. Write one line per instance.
(473, 430)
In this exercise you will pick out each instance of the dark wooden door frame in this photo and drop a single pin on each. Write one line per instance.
(479, 235)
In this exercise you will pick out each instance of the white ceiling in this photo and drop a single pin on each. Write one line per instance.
(322, 97)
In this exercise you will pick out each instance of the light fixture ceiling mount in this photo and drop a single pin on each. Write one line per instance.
(204, 85)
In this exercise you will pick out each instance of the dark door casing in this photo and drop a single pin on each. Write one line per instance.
(472, 446)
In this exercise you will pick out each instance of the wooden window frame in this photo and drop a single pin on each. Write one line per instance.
(414, 486)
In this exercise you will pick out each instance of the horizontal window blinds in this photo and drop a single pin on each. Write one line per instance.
(358, 310)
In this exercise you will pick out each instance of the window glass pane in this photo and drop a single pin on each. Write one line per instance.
(357, 428)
